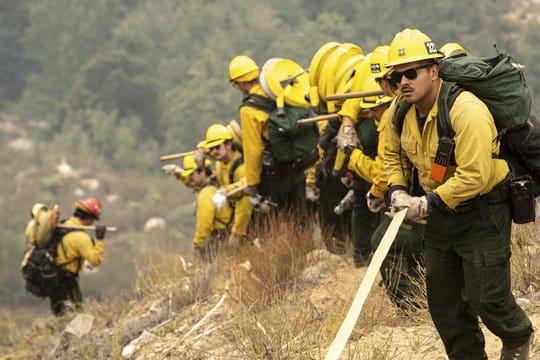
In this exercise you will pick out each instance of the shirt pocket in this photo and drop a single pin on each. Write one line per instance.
(411, 148)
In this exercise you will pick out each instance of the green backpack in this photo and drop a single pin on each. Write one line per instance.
(501, 86)
(495, 81)
(292, 146)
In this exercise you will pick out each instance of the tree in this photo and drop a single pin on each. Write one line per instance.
(14, 63)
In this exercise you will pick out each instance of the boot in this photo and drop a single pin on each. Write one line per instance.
(519, 353)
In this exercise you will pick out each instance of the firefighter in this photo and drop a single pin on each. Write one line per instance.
(212, 225)
(464, 205)
(286, 189)
(230, 175)
(73, 249)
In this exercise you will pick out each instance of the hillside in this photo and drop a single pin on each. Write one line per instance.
(285, 300)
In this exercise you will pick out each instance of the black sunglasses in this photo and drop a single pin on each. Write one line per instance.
(410, 74)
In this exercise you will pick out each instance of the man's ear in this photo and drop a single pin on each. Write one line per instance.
(434, 72)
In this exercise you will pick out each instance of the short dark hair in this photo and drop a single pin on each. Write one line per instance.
(83, 214)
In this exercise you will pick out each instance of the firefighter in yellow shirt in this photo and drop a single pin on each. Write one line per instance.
(288, 191)
(464, 204)
(74, 248)
(401, 268)
(230, 175)
(212, 225)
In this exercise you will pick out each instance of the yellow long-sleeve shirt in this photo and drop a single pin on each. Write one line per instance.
(208, 217)
(351, 108)
(372, 170)
(77, 246)
(476, 172)
(254, 124)
(242, 204)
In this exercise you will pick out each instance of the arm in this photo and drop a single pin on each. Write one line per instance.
(394, 159)
(476, 171)
(206, 213)
(252, 142)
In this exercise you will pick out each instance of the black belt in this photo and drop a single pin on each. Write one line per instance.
(499, 194)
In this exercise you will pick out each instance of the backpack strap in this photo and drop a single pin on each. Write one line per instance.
(447, 96)
(259, 102)
(58, 240)
(399, 114)
(236, 163)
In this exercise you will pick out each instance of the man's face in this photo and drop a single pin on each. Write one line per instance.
(218, 152)
(242, 86)
(377, 112)
(197, 178)
(415, 80)
(386, 86)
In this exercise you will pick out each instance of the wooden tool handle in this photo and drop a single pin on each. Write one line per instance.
(317, 118)
(176, 156)
(354, 95)
(84, 227)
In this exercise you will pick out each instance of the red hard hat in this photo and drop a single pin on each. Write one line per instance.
(90, 205)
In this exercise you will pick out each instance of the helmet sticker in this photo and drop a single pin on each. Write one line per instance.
(401, 52)
(430, 47)
(375, 68)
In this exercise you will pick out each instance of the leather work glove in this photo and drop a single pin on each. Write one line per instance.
(398, 201)
(199, 157)
(261, 204)
(171, 169)
(312, 193)
(100, 232)
(219, 199)
(347, 140)
(374, 204)
(251, 190)
(418, 209)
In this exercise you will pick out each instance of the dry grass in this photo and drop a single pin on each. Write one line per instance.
(526, 258)
(270, 314)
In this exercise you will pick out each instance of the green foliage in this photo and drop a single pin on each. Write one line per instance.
(62, 37)
(14, 64)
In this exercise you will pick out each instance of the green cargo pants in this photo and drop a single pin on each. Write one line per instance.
(468, 275)
(68, 290)
(336, 229)
(364, 223)
(402, 267)
(288, 191)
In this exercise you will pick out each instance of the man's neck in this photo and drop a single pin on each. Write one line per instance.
(228, 157)
(424, 105)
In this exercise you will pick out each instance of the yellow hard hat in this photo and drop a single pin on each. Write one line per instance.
(189, 165)
(216, 135)
(453, 49)
(362, 71)
(411, 45)
(370, 84)
(242, 68)
(378, 60)
(319, 59)
(285, 81)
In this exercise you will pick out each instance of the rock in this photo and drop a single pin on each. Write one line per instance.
(155, 223)
(80, 325)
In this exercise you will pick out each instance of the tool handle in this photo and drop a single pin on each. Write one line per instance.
(175, 156)
(84, 227)
(354, 95)
(317, 118)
